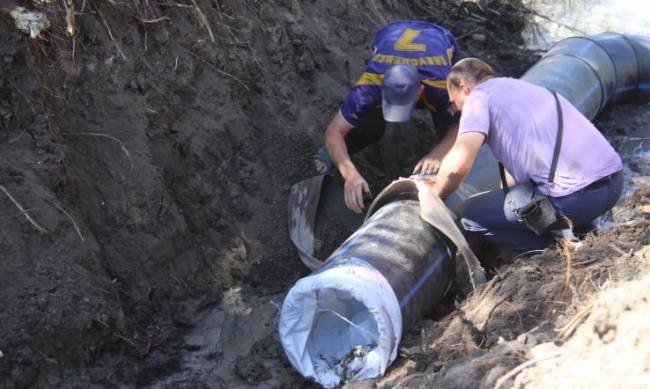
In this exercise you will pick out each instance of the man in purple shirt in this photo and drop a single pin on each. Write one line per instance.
(518, 120)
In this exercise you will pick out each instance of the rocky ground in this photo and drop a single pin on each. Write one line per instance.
(146, 153)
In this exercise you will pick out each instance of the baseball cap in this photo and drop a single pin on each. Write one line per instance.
(399, 92)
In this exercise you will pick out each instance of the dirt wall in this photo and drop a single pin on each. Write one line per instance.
(146, 158)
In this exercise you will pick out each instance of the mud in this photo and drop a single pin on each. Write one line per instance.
(152, 155)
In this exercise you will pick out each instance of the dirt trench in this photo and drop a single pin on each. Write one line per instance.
(145, 164)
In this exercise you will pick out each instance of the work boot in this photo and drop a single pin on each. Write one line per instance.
(583, 231)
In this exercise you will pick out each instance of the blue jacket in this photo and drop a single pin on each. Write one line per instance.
(428, 47)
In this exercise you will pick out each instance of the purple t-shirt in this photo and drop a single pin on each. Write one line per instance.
(520, 122)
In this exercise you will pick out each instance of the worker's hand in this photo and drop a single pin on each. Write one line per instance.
(425, 179)
(355, 186)
(427, 165)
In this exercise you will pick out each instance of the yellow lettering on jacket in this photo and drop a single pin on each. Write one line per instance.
(370, 79)
(405, 41)
(421, 61)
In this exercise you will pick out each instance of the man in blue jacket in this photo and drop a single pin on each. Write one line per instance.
(408, 69)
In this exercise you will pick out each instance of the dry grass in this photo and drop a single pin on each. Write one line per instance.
(100, 135)
(204, 20)
(152, 21)
(522, 367)
(23, 211)
(567, 330)
(565, 249)
(110, 34)
(222, 72)
(74, 223)
(70, 17)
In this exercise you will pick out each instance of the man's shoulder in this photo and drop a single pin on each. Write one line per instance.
(388, 33)
(478, 102)
(496, 86)
(481, 93)
(504, 82)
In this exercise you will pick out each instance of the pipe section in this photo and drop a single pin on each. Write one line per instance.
(415, 258)
(592, 71)
(395, 248)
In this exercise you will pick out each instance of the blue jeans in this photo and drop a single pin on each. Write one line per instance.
(484, 214)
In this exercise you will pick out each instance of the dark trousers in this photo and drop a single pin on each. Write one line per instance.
(484, 214)
(371, 129)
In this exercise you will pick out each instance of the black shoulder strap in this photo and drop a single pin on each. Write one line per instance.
(504, 182)
(558, 141)
(556, 151)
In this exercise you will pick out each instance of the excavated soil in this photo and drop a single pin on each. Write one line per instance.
(145, 163)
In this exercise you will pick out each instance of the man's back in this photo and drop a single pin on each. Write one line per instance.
(522, 133)
(426, 46)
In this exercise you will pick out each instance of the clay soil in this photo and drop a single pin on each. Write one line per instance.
(145, 164)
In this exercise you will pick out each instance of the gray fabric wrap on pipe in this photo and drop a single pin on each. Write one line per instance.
(414, 257)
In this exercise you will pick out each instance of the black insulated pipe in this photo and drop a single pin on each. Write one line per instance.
(592, 71)
(415, 258)
(345, 321)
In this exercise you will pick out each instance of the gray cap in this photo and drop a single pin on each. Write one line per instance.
(399, 92)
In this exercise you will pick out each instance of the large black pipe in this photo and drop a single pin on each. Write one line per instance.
(415, 258)
(345, 321)
(592, 71)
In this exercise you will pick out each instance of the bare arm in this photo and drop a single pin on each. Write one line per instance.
(446, 143)
(355, 184)
(335, 143)
(458, 162)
